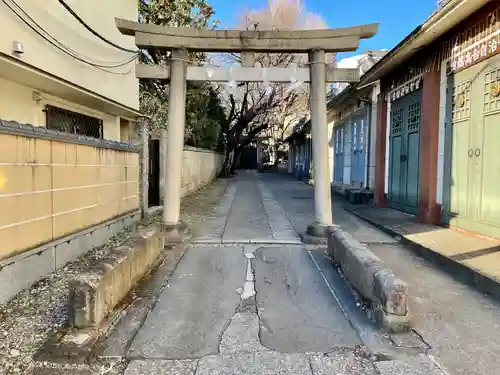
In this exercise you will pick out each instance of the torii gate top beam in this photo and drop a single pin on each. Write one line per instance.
(207, 40)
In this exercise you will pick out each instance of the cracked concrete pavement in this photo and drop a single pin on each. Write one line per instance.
(248, 298)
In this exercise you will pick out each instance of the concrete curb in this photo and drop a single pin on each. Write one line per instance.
(110, 340)
(456, 269)
(96, 292)
(21, 271)
(386, 294)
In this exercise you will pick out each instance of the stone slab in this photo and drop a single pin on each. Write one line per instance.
(213, 228)
(154, 284)
(196, 306)
(340, 363)
(297, 311)
(162, 367)
(261, 363)
(281, 227)
(247, 218)
(41, 369)
(419, 365)
(242, 335)
(116, 344)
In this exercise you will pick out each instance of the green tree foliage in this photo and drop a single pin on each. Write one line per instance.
(203, 108)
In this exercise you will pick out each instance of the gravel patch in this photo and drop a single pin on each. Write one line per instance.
(27, 320)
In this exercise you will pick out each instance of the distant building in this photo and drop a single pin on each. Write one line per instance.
(349, 115)
(351, 124)
(363, 62)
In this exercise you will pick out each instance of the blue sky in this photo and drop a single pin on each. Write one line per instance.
(397, 18)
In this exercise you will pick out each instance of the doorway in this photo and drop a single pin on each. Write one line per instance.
(154, 173)
(471, 197)
(338, 172)
(404, 152)
(248, 157)
(358, 151)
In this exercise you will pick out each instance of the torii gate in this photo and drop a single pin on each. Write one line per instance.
(181, 40)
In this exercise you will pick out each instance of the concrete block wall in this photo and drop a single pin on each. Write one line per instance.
(60, 196)
(199, 167)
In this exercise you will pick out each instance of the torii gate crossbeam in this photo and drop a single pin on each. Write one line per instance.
(182, 40)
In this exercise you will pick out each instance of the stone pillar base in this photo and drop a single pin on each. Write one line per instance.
(146, 218)
(175, 233)
(316, 234)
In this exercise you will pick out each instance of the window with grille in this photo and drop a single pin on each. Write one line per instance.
(71, 122)
(396, 121)
(414, 117)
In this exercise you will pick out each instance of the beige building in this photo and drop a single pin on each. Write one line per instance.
(53, 69)
(60, 193)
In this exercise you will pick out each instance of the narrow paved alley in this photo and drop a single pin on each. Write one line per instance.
(245, 293)
(249, 298)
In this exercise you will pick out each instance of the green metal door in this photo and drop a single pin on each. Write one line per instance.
(396, 152)
(404, 152)
(485, 198)
(458, 149)
(472, 196)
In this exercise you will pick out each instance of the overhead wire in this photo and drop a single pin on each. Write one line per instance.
(90, 29)
(64, 45)
(61, 46)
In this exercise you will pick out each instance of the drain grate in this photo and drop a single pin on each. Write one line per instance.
(301, 197)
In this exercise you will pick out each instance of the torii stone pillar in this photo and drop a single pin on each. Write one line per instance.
(174, 143)
(248, 43)
(316, 232)
(144, 164)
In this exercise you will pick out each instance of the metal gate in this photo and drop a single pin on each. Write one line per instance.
(358, 151)
(404, 152)
(338, 169)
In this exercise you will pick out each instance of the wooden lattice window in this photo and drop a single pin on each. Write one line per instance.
(354, 135)
(492, 90)
(362, 135)
(342, 139)
(461, 101)
(396, 121)
(414, 117)
(337, 141)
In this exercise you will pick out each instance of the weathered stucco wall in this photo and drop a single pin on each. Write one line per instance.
(52, 188)
(17, 104)
(57, 21)
(199, 167)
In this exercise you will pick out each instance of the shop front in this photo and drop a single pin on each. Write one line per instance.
(404, 148)
(471, 195)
